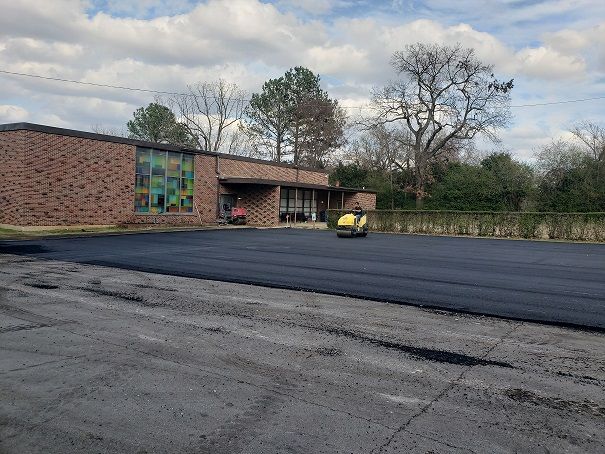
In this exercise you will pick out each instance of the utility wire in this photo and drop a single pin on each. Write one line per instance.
(57, 79)
(144, 90)
(560, 102)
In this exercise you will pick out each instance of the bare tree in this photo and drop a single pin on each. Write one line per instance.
(444, 95)
(383, 149)
(592, 136)
(209, 110)
(108, 131)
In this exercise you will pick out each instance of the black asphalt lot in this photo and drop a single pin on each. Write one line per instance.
(562, 283)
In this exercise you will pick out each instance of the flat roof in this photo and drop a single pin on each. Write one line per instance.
(291, 184)
(141, 143)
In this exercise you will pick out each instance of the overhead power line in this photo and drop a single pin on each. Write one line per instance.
(145, 90)
(119, 87)
(568, 101)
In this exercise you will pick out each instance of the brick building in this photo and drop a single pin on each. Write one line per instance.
(60, 177)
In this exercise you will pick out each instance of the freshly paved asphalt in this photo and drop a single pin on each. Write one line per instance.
(561, 283)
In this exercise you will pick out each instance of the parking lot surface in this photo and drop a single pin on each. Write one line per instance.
(101, 359)
(527, 280)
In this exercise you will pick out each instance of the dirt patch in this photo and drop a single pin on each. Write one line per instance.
(556, 403)
(440, 356)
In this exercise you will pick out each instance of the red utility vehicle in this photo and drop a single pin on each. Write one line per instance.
(238, 216)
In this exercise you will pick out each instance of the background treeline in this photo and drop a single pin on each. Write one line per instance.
(566, 176)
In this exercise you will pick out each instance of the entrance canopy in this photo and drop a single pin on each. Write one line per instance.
(290, 184)
(294, 201)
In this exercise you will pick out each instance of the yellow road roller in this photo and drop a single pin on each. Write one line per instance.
(351, 225)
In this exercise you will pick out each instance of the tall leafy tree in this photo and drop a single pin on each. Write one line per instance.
(157, 123)
(293, 119)
(513, 181)
(571, 178)
(267, 118)
(499, 183)
(444, 95)
(322, 131)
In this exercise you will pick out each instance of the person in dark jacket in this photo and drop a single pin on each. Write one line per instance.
(358, 212)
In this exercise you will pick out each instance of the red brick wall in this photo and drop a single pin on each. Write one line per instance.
(76, 181)
(261, 202)
(58, 180)
(367, 200)
(310, 177)
(11, 177)
(246, 169)
(71, 180)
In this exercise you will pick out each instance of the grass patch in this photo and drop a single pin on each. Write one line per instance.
(13, 234)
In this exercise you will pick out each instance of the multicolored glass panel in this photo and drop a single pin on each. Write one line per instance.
(164, 182)
(143, 161)
(174, 165)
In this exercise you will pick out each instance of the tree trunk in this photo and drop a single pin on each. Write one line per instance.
(419, 200)
(419, 163)
(392, 195)
(296, 157)
(419, 188)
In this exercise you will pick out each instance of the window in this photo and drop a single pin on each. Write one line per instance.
(163, 182)
(306, 202)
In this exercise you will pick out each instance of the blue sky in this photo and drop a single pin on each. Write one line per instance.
(555, 51)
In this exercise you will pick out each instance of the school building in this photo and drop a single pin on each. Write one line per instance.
(52, 177)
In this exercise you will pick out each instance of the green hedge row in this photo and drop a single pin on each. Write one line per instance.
(560, 226)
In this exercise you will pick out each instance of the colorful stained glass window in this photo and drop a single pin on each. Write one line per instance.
(186, 195)
(158, 162)
(142, 184)
(164, 182)
(172, 195)
(187, 169)
(158, 193)
(143, 161)
(174, 165)
(141, 203)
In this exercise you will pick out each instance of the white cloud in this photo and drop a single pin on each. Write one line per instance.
(337, 59)
(546, 63)
(248, 41)
(12, 114)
